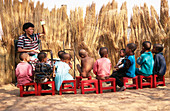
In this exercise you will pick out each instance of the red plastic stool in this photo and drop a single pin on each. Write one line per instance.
(113, 85)
(161, 82)
(84, 82)
(40, 91)
(78, 81)
(149, 81)
(22, 92)
(69, 86)
(134, 84)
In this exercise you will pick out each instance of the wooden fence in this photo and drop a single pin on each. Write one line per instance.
(108, 28)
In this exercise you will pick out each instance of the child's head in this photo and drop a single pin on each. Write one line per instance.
(60, 54)
(122, 53)
(157, 48)
(42, 56)
(66, 57)
(146, 46)
(24, 57)
(103, 52)
(131, 47)
(82, 53)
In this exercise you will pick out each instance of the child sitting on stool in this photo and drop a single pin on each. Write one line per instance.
(43, 71)
(159, 60)
(61, 70)
(128, 69)
(24, 70)
(145, 61)
(103, 65)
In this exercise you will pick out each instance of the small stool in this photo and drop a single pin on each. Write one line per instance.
(46, 91)
(113, 85)
(22, 92)
(149, 81)
(161, 82)
(84, 82)
(71, 88)
(134, 84)
(78, 81)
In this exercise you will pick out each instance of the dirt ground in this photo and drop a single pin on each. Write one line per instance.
(147, 99)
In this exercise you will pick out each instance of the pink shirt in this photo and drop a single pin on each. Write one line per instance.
(102, 67)
(23, 73)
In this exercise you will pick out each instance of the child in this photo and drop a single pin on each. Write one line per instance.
(145, 60)
(103, 65)
(24, 70)
(159, 60)
(128, 69)
(121, 60)
(86, 64)
(43, 71)
(61, 70)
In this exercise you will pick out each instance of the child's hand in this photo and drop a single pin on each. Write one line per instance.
(116, 66)
(117, 69)
(36, 51)
(54, 74)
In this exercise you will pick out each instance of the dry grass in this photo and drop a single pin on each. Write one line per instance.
(108, 28)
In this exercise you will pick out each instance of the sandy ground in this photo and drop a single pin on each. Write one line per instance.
(147, 99)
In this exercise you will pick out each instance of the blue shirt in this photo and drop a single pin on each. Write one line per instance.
(131, 70)
(62, 73)
(146, 61)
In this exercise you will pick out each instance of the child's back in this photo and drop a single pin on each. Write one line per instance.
(42, 71)
(159, 60)
(62, 71)
(102, 67)
(145, 61)
(23, 71)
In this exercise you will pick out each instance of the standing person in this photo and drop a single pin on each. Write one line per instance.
(128, 69)
(159, 60)
(145, 61)
(24, 70)
(28, 42)
(103, 65)
(86, 64)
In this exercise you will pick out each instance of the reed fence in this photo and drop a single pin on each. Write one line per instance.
(108, 28)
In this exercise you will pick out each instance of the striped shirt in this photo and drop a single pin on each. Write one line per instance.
(25, 43)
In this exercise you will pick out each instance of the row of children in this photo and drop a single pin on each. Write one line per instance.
(126, 66)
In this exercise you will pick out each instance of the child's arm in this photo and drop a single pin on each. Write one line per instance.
(70, 64)
(54, 71)
(140, 60)
(127, 64)
(95, 68)
(30, 70)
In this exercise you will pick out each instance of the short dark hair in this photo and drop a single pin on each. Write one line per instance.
(103, 51)
(146, 45)
(122, 50)
(27, 25)
(132, 46)
(60, 54)
(66, 56)
(42, 56)
(159, 47)
(23, 56)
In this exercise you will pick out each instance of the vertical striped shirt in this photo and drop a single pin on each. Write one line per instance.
(25, 43)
